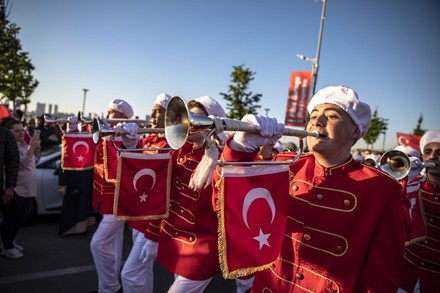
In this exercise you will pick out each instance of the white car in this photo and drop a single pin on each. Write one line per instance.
(48, 201)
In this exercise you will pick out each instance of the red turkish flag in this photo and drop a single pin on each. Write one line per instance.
(110, 157)
(298, 98)
(252, 205)
(408, 140)
(4, 112)
(143, 186)
(78, 152)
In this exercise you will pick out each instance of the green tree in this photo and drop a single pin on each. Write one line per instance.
(419, 130)
(377, 127)
(16, 79)
(240, 100)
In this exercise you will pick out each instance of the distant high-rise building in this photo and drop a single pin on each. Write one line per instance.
(55, 109)
(50, 109)
(41, 108)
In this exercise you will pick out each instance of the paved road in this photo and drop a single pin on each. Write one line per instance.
(54, 264)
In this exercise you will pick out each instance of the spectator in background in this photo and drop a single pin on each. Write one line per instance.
(9, 161)
(49, 136)
(17, 210)
(290, 147)
(357, 155)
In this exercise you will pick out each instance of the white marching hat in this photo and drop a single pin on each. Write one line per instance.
(348, 100)
(430, 136)
(121, 106)
(163, 100)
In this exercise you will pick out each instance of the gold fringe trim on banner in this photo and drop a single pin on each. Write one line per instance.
(222, 246)
(145, 217)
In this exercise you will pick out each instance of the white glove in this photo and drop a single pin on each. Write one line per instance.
(149, 251)
(270, 132)
(416, 168)
(129, 136)
(72, 123)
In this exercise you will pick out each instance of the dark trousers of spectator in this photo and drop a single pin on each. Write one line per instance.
(15, 214)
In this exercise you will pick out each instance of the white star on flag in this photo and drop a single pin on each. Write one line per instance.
(80, 158)
(143, 197)
(262, 239)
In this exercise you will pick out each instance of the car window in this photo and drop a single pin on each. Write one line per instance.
(51, 164)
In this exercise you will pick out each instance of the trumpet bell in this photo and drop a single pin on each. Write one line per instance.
(176, 122)
(370, 162)
(180, 122)
(98, 129)
(395, 163)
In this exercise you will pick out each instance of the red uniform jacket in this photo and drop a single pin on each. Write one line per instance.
(344, 230)
(150, 228)
(188, 243)
(422, 258)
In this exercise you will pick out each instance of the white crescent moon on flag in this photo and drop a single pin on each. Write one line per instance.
(141, 173)
(254, 194)
(403, 141)
(81, 142)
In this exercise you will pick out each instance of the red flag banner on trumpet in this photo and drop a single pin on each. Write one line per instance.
(298, 98)
(110, 152)
(110, 155)
(143, 191)
(78, 152)
(252, 217)
(409, 140)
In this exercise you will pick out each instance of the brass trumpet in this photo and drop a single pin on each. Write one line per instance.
(99, 129)
(47, 120)
(180, 123)
(393, 162)
(85, 120)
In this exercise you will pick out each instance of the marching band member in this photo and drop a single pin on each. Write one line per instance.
(188, 237)
(422, 258)
(412, 216)
(76, 188)
(107, 241)
(137, 274)
(344, 230)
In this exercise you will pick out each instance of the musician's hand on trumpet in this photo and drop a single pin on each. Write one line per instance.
(416, 166)
(270, 131)
(72, 124)
(129, 134)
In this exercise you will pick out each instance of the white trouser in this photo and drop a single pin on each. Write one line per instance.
(184, 285)
(106, 248)
(416, 288)
(243, 284)
(136, 275)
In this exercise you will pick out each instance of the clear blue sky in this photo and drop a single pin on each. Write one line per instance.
(387, 50)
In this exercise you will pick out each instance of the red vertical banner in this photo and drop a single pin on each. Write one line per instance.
(142, 186)
(298, 98)
(252, 217)
(78, 152)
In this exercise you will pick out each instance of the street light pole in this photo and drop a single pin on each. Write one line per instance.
(84, 100)
(267, 111)
(315, 60)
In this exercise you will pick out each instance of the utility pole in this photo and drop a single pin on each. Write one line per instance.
(84, 101)
(315, 60)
